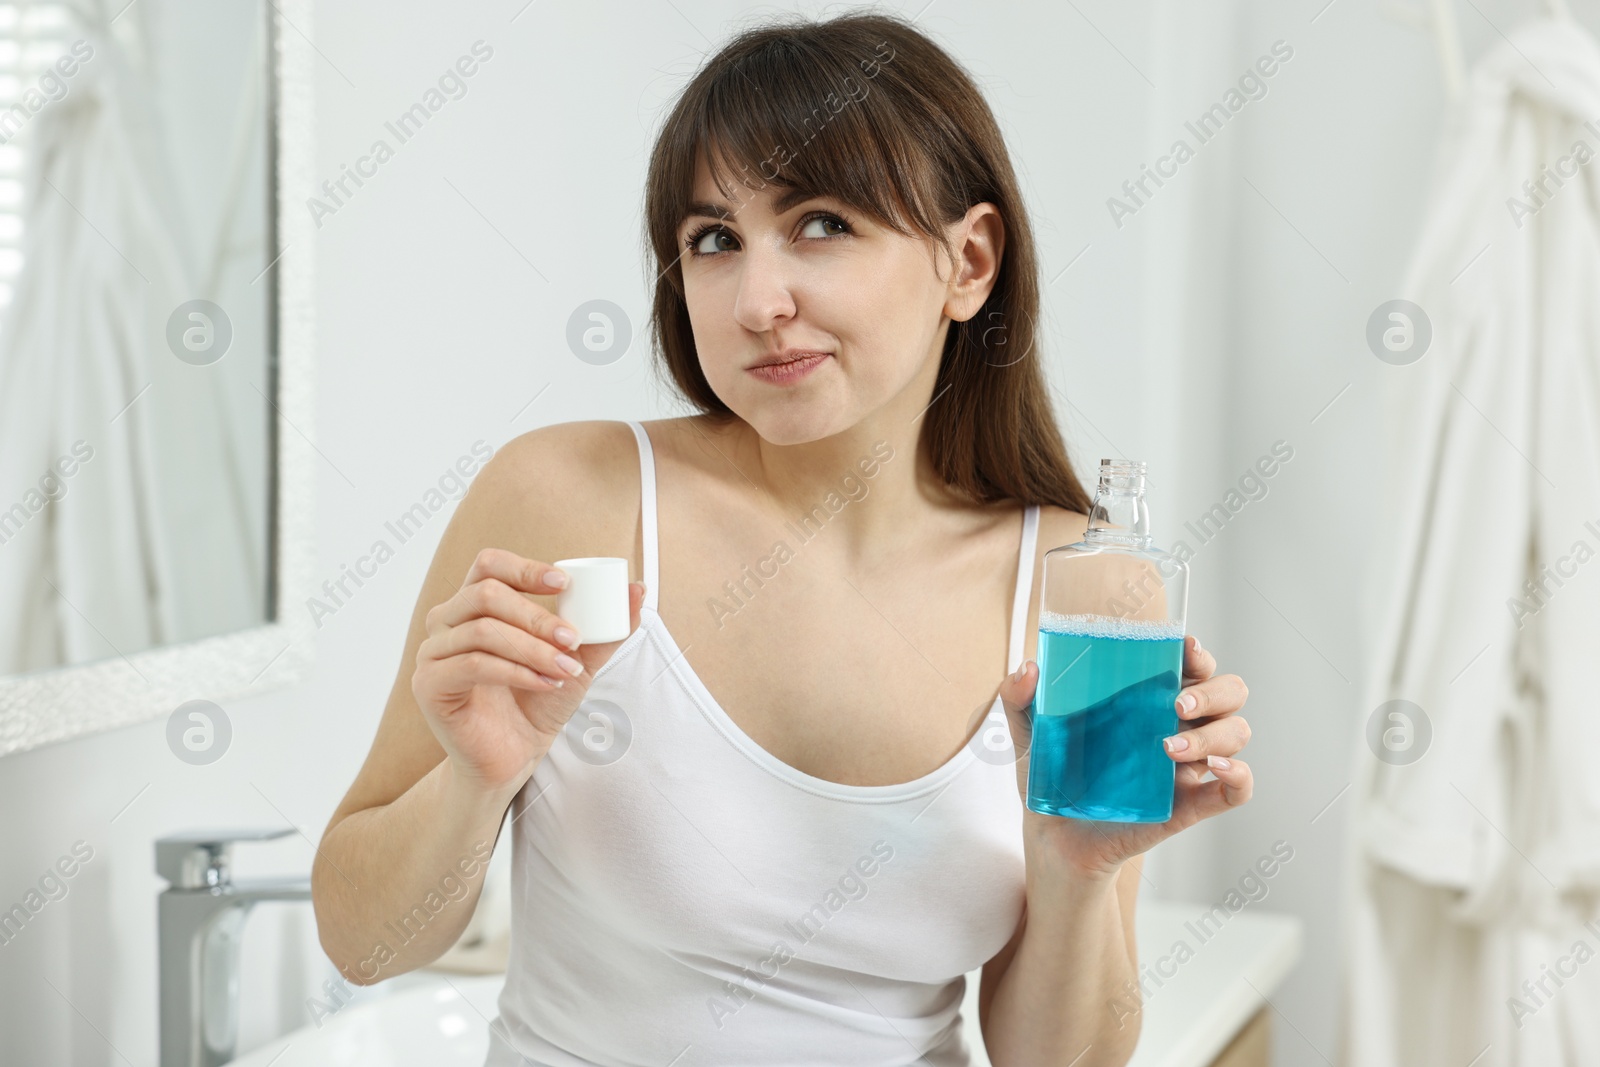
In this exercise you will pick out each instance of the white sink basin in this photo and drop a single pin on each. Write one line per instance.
(442, 1021)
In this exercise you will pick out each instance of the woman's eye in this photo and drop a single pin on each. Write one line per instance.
(825, 221)
(713, 239)
(705, 242)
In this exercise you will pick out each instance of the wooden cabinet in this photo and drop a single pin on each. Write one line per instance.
(1251, 1046)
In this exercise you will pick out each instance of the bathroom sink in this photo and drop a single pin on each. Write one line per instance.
(440, 1021)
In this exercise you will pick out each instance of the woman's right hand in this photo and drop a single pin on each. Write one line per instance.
(494, 676)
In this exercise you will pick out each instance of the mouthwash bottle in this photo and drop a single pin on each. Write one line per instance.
(1111, 626)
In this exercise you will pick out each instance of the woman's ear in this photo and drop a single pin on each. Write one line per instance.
(978, 243)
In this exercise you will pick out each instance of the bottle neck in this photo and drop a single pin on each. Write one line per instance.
(1119, 515)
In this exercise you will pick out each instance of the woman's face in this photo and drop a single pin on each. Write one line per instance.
(765, 277)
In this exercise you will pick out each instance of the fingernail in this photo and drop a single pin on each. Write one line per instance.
(557, 682)
(1186, 702)
(1177, 743)
(555, 579)
(1220, 763)
(568, 664)
(1197, 644)
(564, 636)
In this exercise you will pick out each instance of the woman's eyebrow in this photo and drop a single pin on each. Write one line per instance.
(786, 201)
(705, 210)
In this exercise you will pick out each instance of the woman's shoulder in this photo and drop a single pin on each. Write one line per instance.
(1059, 526)
(580, 448)
(587, 454)
(572, 487)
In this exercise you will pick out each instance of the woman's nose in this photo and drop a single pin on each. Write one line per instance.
(765, 289)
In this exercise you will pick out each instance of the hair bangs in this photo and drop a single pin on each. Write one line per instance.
(811, 121)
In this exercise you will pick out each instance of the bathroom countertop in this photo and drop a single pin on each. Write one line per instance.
(1233, 964)
(1197, 996)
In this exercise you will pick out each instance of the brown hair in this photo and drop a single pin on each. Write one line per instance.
(864, 108)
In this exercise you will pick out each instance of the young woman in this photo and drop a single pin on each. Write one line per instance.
(769, 827)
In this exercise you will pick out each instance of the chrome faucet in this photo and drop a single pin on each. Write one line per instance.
(202, 913)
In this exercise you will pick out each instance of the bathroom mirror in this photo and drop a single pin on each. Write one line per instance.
(156, 458)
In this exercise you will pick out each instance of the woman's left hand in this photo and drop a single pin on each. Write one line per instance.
(1210, 732)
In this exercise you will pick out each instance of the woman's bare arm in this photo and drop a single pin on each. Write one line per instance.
(415, 865)
(407, 847)
(1074, 963)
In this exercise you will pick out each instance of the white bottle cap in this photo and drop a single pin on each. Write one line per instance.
(595, 599)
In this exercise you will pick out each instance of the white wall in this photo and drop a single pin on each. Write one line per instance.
(1195, 336)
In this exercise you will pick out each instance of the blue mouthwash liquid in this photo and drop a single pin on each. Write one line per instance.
(1106, 695)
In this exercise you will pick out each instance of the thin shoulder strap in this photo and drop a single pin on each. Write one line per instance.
(1019, 607)
(647, 514)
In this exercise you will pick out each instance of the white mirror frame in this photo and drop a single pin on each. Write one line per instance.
(65, 702)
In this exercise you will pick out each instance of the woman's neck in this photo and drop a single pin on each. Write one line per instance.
(871, 486)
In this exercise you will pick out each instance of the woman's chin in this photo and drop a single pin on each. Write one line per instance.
(795, 421)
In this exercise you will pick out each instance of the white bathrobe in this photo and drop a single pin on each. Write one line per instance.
(1470, 866)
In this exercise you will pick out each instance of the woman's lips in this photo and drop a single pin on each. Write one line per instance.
(785, 373)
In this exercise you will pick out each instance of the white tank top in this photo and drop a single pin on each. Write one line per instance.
(682, 897)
